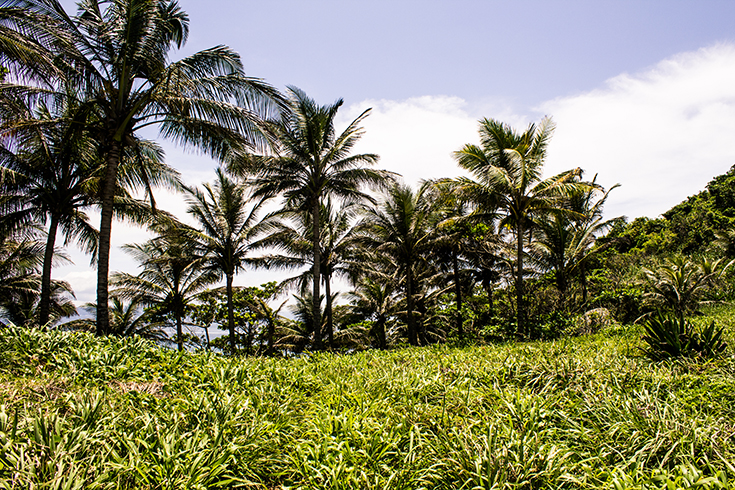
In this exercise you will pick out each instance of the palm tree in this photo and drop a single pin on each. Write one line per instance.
(400, 227)
(508, 167)
(376, 300)
(54, 164)
(227, 228)
(566, 240)
(116, 56)
(312, 163)
(680, 282)
(127, 319)
(171, 280)
(336, 246)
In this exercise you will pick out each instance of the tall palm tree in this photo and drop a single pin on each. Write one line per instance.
(116, 56)
(171, 280)
(313, 162)
(55, 165)
(508, 167)
(228, 224)
(400, 227)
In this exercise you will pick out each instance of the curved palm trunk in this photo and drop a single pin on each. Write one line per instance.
(520, 307)
(103, 262)
(316, 276)
(458, 295)
(230, 314)
(44, 305)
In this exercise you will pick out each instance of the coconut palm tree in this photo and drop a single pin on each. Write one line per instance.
(55, 167)
(508, 167)
(401, 227)
(312, 162)
(116, 57)
(172, 278)
(227, 225)
(336, 246)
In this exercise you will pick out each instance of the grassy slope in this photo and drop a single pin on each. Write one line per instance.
(577, 413)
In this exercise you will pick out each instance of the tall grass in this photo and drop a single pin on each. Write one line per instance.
(84, 412)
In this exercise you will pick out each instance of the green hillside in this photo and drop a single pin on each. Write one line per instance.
(591, 412)
(690, 227)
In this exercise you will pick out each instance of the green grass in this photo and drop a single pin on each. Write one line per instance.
(589, 412)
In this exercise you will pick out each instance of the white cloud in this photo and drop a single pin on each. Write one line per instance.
(662, 134)
(415, 137)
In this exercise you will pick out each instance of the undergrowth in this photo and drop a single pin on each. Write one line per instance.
(590, 412)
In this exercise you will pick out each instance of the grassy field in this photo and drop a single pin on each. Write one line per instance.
(588, 412)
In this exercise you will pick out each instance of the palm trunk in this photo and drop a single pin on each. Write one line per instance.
(520, 307)
(412, 338)
(316, 276)
(271, 334)
(380, 326)
(103, 263)
(458, 295)
(44, 306)
(179, 333)
(330, 323)
(230, 314)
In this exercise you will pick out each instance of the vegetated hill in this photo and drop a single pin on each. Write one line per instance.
(690, 227)
(83, 412)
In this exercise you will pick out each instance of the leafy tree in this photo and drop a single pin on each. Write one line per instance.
(508, 167)
(116, 57)
(311, 163)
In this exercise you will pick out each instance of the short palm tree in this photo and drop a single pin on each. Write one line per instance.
(116, 57)
(508, 167)
(227, 221)
(311, 163)
(173, 276)
(679, 283)
(401, 227)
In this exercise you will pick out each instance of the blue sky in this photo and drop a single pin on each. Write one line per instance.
(643, 92)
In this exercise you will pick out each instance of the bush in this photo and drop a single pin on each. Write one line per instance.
(670, 336)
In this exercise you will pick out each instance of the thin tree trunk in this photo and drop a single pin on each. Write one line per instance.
(380, 324)
(458, 295)
(583, 272)
(179, 333)
(330, 324)
(412, 338)
(316, 276)
(44, 306)
(103, 263)
(520, 307)
(230, 314)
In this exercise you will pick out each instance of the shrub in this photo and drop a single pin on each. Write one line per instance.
(668, 335)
